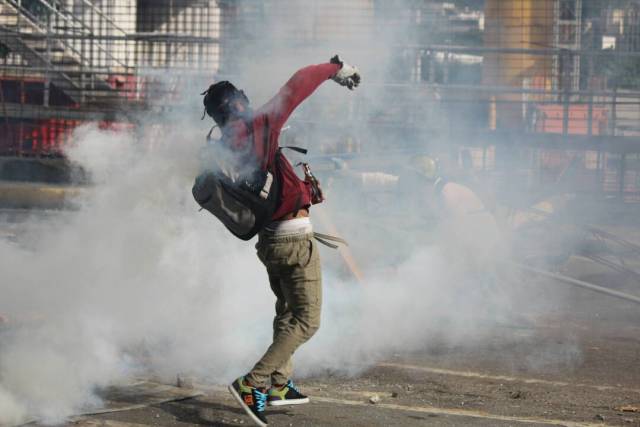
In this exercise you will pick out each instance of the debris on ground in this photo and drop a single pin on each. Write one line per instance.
(518, 394)
(628, 408)
(183, 381)
(374, 399)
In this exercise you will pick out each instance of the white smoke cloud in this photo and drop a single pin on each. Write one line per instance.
(129, 282)
(136, 281)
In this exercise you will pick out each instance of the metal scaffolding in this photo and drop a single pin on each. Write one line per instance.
(476, 75)
(65, 62)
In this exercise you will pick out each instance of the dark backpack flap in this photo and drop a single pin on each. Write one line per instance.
(245, 202)
(213, 195)
(243, 212)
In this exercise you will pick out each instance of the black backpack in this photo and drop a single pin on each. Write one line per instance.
(240, 190)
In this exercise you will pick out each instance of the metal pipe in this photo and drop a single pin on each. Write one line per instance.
(590, 117)
(103, 16)
(73, 19)
(579, 283)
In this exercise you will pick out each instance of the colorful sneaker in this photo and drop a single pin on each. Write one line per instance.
(252, 400)
(287, 395)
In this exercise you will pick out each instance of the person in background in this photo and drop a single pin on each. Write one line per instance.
(425, 208)
(468, 237)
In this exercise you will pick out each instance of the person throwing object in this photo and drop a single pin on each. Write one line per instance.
(285, 245)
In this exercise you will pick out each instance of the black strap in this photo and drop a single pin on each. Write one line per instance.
(294, 148)
(211, 130)
(265, 144)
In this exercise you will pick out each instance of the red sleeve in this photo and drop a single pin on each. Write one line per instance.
(302, 84)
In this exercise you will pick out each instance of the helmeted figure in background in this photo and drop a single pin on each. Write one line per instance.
(464, 219)
(285, 245)
(472, 242)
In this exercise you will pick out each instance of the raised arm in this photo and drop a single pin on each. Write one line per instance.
(302, 84)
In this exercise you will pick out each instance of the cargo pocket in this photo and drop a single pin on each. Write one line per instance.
(278, 255)
(309, 260)
(305, 253)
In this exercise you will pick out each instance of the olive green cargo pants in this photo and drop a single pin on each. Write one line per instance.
(293, 265)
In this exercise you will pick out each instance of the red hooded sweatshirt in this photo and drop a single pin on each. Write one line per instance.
(267, 123)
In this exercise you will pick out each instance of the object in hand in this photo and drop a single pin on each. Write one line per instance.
(347, 75)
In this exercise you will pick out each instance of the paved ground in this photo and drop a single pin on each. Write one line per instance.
(492, 383)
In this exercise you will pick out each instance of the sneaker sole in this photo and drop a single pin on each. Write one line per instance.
(288, 402)
(244, 406)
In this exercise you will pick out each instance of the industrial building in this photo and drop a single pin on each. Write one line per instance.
(536, 74)
(482, 177)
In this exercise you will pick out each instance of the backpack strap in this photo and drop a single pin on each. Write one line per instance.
(322, 238)
(210, 131)
(265, 145)
(294, 148)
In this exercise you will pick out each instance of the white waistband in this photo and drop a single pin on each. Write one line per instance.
(290, 227)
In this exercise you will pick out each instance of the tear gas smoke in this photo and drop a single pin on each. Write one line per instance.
(131, 281)
(135, 281)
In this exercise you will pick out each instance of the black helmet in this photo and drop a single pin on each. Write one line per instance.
(218, 101)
